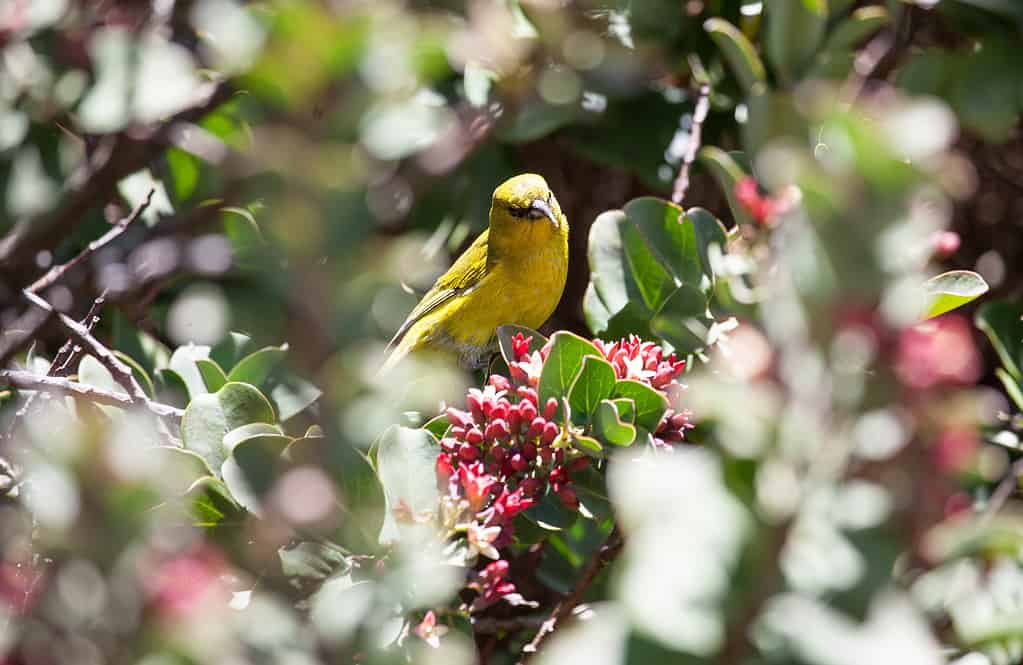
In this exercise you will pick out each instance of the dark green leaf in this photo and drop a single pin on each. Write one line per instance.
(670, 235)
(562, 365)
(593, 384)
(610, 426)
(650, 404)
(680, 321)
(212, 375)
(256, 367)
(210, 416)
(739, 53)
(1001, 322)
(231, 349)
(709, 231)
(794, 30)
(587, 444)
(727, 173)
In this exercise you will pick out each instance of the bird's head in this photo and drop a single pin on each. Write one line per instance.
(527, 200)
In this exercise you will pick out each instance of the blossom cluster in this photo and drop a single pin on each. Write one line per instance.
(506, 450)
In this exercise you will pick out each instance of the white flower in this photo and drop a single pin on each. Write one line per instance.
(481, 539)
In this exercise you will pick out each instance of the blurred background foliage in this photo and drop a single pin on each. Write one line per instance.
(239, 201)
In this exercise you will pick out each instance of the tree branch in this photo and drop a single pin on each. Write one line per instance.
(121, 372)
(605, 555)
(24, 380)
(678, 192)
(54, 274)
(1003, 491)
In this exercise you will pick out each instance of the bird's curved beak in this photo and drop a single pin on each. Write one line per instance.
(542, 206)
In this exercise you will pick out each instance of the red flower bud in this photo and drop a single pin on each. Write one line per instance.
(499, 382)
(528, 394)
(578, 464)
(535, 427)
(528, 410)
(546, 454)
(529, 450)
(550, 408)
(500, 410)
(499, 454)
(468, 452)
(530, 486)
(568, 497)
(550, 432)
(458, 418)
(498, 429)
(519, 463)
(474, 436)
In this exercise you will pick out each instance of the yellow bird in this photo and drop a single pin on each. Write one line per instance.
(514, 272)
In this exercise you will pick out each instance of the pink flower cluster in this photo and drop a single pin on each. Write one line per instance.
(646, 362)
(503, 453)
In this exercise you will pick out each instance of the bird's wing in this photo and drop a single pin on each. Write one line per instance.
(461, 277)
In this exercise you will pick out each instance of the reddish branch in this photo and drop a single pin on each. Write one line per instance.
(605, 555)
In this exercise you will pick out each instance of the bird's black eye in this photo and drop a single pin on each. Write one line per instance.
(516, 211)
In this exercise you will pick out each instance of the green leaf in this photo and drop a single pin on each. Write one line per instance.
(210, 416)
(611, 428)
(626, 409)
(241, 229)
(256, 367)
(563, 364)
(709, 231)
(438, 426)
(726, 172)
(171, 389)
(182, 361)
(679, 321)
(650, 404)
(1012, 388)
(587, 444)
(139, 373)
(851, 32)
(794, 30)
(210, 503)
(239, 434)
(671, 236)
(313, 560)
(292, 395)
(259, 463)
(505, 334)
(406, 462)
(952, 290)
(739, 53)
(184, 172)
(550, 514)
(652, 278)
(609, 270)
(231, 349)
(1001, 322)
(213, 377)
(595, 311)
(594, 383)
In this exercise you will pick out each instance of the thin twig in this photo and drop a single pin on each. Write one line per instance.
(56, 272)
(24, 380)
(1003, 491)
(605, 555)
(121, 372)
(678, 192)
(70, 352)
